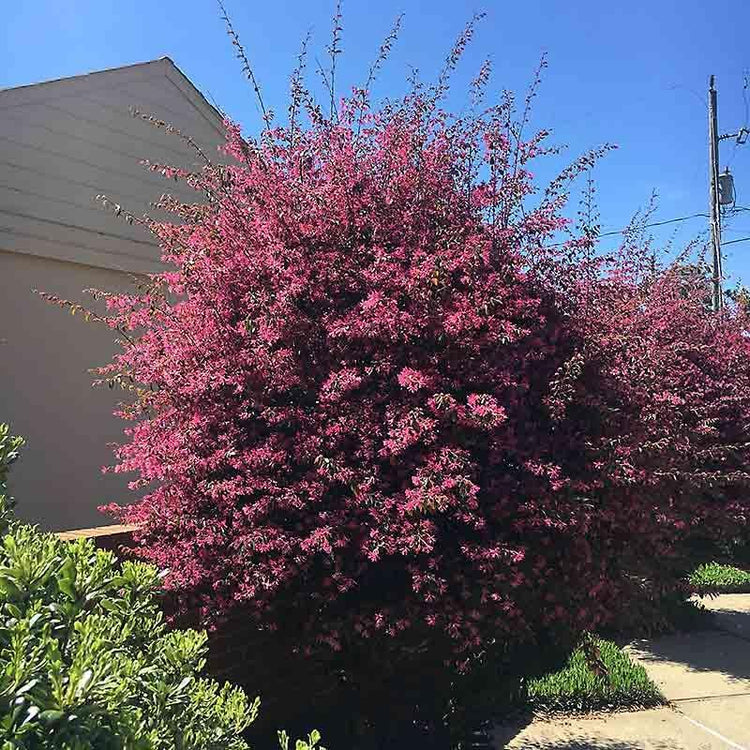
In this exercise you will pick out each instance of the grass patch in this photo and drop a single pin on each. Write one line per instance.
(722, 578)
(599, 675)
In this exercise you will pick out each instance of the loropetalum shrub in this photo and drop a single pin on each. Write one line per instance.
(374, 396)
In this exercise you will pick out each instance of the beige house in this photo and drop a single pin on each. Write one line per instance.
(62, 143)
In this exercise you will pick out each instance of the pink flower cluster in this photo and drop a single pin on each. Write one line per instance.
(372, 393)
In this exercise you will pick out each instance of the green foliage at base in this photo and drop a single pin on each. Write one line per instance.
(86, 659)
(721, 578)
(598, 675)
(9, 447)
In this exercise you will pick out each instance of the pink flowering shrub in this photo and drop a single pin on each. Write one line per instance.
(373, 395)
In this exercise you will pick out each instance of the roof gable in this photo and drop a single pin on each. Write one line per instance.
(163, 66)
(64, 142)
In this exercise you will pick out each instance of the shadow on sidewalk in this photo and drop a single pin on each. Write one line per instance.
(702, 651)
(731, 613)
(558, 737)
(555, 744)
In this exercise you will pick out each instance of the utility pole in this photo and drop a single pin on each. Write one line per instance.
(715, 213)
(721, 191)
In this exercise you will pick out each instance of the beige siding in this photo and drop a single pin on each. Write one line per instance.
(65, 142)
(62, 143)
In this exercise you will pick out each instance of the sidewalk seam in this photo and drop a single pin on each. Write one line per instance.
(709, 697)
(713, 732)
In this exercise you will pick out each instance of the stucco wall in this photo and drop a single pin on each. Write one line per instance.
(47, 396)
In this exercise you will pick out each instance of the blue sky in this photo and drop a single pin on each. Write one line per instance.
(631, 73)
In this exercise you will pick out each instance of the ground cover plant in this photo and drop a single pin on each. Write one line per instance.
(720, 577)
(389, 402)
(598, 675)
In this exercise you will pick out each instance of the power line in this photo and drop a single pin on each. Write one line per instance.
(737, 209)
(654, 224)
(613, 232)
(670, 221)
(745, 83)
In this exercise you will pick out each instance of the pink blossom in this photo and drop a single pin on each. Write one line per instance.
(374, 392)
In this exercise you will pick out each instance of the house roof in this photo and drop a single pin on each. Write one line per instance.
(27, 93)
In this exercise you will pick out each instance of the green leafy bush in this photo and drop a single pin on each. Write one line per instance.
(9, 447)
(598, 675)
(86, 659)
(718, 577)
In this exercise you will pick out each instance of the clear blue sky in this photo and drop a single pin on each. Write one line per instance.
(634, 73)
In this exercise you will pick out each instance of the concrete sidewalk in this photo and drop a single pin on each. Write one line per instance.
(704, 675)
(732, 613)
(656, 729)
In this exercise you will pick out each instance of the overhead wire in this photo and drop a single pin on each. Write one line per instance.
(673, 221)
(613, 232)
(736, 209)
(745, 84)
(731, 242)
(653, 224)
